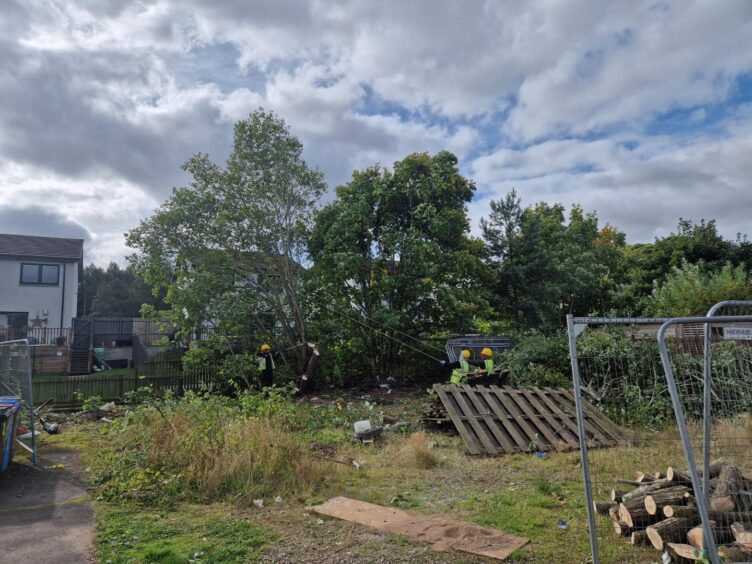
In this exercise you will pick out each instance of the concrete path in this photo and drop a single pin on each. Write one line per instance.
(45, 515)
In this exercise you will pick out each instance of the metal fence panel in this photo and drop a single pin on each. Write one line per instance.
(15, 380)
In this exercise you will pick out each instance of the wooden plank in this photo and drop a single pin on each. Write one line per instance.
(493, 424)
(488, 445)
(550, 431)
(512, 407)
(504, 419)
(552, 405)
(557, 426)
(591, 430)
(543, 431)
(590, 411)
(470, 441)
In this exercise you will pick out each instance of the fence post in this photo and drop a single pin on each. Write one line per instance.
(583, 440)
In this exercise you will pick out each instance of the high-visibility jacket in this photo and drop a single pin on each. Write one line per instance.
(459, 375)
(262, 363)
(489, 365)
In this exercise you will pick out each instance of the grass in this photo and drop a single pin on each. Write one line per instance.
(181, 535)
(206, 450)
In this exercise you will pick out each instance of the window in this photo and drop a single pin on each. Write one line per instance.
(41, 274)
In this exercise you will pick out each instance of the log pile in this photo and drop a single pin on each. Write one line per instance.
(660, 511)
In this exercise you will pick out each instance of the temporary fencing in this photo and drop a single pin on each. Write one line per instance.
(683, 387)
(15, 381)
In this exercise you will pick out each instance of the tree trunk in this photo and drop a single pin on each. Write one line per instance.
(686, 511)
(639, 538)
(644, 478)
(737, 553)
(602, 507)
(622, 529)
(742, 533)
(656, 501)
(724, 519)
(731, 492)
(673, 529)
(636, 516)
(616, 495)
(674, 475)
(683, 552)
(696, 535)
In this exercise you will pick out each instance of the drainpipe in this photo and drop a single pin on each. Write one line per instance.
(62, 300)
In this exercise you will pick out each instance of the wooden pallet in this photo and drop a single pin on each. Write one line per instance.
(503, 420)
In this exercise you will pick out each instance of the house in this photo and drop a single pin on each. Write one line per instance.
(38, 284)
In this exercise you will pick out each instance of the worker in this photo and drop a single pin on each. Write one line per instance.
(486, 355)
(266, 366)
(460, 374)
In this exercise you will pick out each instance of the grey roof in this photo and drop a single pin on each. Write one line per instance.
(41, 247)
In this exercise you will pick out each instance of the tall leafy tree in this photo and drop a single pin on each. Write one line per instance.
(393, 260)
(547, 265)
(113, 292)
(229, 248)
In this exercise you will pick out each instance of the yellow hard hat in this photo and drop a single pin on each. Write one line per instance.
(465, 354)
(486, 352)
(265, 347)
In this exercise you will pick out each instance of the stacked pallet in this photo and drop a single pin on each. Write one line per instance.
(661, 512)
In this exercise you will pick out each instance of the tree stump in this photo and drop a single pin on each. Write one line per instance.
(673, 529)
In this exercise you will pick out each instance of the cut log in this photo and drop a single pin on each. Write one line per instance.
(640, 492)
(602, 507)
(656, 501)
(686, 511)
(645, 477)
(674, 475)
(673, 529)
(736, 553)
(724, 519)
(742, 533)
(696, 535)
(639, 538)
(613, 513)
(636, 516)
(683, 552)
(616, 495)
(730, 492)
(622, 529)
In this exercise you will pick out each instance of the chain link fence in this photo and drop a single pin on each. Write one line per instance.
(15, 381)
(646, 493)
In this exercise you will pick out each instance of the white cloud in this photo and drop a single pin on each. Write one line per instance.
(103, 100)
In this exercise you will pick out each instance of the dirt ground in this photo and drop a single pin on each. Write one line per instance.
(45, 515)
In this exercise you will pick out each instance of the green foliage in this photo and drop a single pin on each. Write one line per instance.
(88, 403)
(228, 249)
(546, 266)
(392, 255)
(114, 292)
(691, 289)
(540, 360)
(200, 447)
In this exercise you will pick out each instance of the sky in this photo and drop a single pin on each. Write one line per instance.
(641, 111)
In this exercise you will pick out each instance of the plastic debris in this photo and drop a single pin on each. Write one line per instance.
(562, 524)
(258, 503)
(540, 454)
(278, 499)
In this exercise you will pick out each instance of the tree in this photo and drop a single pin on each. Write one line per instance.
(691, 289)
(546, 266)
(393, 260)
(229, 249)
(113, 292)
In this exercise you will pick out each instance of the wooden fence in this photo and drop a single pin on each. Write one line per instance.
(113, 386)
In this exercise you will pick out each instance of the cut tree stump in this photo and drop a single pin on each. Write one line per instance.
(639, 538)
(731, 492)
(742, 533)
(686, 511)
(673, 529)
(656, 501)
(616, 495)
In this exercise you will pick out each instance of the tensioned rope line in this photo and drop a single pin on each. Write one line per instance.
(384, 334)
